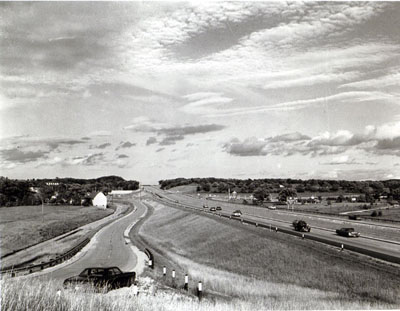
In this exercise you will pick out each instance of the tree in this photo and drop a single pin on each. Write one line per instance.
(286, 193)
(260, 194)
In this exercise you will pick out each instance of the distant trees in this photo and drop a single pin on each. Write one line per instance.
(64, 191)
(389, 188)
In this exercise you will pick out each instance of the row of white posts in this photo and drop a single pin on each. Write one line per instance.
(186, 284)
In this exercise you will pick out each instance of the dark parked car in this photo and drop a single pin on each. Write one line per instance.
(354, 217)
(218, 208)
(301, 225)
(237, 213)
(109, 278)
(348, 232)
(212, 209)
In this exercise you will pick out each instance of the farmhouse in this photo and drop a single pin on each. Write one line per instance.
(100, 200)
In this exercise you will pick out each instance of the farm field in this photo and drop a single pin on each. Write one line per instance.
(266, 269)
(24, 224)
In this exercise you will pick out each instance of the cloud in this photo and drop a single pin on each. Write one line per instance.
(160, 149)
(296, 136)
(103, 146)
(126, 144)
(391, 79)
(151, 140)
(171, 140)
(249, 147)
(380, 140)
(122, 156)
(17, 156)
(341, 160)
(190, 129)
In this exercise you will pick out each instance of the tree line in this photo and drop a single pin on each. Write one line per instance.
(14, 192)
(260, 188)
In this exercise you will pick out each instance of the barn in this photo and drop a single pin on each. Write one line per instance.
(100, 200)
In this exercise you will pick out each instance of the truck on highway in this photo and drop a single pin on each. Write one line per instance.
(301, 225)
(99, 277)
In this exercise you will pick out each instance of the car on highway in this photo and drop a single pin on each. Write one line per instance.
(348, 232)
(237, 213)
(218, 208)
(100, 277)
(205, 206)
(271, 207)
(212, 209)
(301, 225)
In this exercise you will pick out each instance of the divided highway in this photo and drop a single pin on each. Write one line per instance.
(378, 241)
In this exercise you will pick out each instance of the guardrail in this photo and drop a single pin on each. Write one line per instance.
(38, 267)
(358, 249)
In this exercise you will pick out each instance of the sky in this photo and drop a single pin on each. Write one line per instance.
(158, 90)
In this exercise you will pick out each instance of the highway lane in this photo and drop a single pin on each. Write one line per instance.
(382, 247)
(107, 248)
(373, 229)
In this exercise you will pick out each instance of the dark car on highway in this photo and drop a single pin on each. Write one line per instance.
(348, 232)
(108, 278)
(301, 225)
(218, 208)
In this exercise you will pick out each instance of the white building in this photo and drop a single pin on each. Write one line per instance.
(100, 200)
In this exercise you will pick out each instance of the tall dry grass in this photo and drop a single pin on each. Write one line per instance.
(29, 294)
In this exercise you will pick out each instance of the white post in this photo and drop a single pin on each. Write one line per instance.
(150, 263)
(200, 290)
(186, 286)
(173, 274)
(342, 247)
(164, 270)
(135, 290)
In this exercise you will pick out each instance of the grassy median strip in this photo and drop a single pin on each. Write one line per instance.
(253, 264)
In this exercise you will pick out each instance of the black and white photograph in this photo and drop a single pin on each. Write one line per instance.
(199, 155)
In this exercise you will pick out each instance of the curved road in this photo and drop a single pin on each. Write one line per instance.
(107, 248)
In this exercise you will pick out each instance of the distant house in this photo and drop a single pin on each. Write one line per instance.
(100, 200)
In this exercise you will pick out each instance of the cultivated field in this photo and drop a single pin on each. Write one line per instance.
(262, 269)
(21, 226)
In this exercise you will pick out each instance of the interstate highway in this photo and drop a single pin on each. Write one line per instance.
(383, 239)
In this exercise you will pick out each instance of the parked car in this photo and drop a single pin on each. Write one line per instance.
(212, 209)
(271, 207)
(205, 206)
(301, 225)
(348, 232)
(218, 208)
(108, 278)
(237, 213)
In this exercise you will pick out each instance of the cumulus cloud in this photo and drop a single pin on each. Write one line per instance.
(122, 156)
(249, 147)
(15, 155)
(375, 139)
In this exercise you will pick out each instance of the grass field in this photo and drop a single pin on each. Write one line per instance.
(267, 269)
(21, 226)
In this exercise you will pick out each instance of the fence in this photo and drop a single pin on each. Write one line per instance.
(38, 267)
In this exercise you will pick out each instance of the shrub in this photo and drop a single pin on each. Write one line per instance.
(374, 214)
